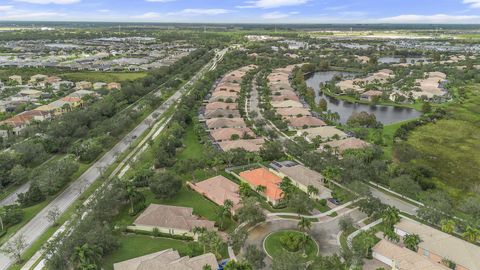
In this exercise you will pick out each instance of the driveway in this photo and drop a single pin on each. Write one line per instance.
(324, 232)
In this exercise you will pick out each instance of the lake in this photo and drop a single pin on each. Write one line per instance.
(384, 114)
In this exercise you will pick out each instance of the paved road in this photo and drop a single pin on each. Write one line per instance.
(39, 224)
(325, 233)
(394, 201)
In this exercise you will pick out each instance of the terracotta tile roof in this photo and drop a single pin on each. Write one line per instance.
(309, 121)
(345, 144)
(167, 216)
(215, 123)
(404, 258)
(252, 145)
(71, 99)
(225, 134)
(264, 177)
(287, 104)
(221, 105)
(289, 112)
(218, 189)
(168, 259)
(463, 253)
(221, 113)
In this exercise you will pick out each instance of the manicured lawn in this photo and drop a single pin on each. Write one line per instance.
(274, 247)
(132, 246)
(186, 198)
(193, 148)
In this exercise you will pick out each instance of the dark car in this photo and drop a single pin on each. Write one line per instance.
(334, 201)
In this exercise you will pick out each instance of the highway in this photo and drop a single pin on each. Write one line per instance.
(39, 224)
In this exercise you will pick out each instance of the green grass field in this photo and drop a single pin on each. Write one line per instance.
(451, 146)
(274, 247)
(193, 149)
(102, 76)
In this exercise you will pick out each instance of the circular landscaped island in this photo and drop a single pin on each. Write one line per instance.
(277, 243)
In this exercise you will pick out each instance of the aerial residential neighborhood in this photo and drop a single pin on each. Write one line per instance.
(239, 135)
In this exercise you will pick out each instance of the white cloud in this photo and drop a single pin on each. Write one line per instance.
(472, 3)
(274, 15)
(44, 2)
(32, 15)
(148, 16)
(201, 11)
(272, 3)
(436, 18)
(5, 8)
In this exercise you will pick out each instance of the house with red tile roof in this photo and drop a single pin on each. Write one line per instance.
(216, 123)
(305, 122)
(220, 105)
(218, 189)
(340, 146)
(170, 219)
(226, 134)
(266, 178)
(251, 145)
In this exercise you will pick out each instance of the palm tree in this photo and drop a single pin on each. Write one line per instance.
(225, 211)
(447, 225)
(311, 190)
(411, 241)
(260, 189)
(471, 234)
(287, 187)
(304, 224)
(391, 235)
(244, 189)
(391, 216)
(368, 240)
(3, 211)
(86, 256)
(330, 173)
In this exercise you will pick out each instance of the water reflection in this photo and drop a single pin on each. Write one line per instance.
(384, 114)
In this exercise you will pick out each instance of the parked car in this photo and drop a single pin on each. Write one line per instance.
(334, 201)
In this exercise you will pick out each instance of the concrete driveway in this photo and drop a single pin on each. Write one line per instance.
(324, 232)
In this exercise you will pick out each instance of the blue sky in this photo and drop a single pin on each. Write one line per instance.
(245, 11)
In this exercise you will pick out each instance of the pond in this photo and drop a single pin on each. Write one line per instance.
(384, 114)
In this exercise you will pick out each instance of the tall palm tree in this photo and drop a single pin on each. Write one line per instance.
(368, 240)
(411, 241)
(471, 234)
(244, 189)
(287, 187)
(331, 173)
(304, 224)
(86, 256)
(311, 190)
(225, 211)
(447, 225)
(391, 216)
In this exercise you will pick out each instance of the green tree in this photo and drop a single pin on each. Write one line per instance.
(165, 185)
(287, 187)
(412, 241)
(304, 224)
(255, 257)
(260, 189)
(237, 238)
(15, 247)
(250, 212)
(238, 265)
(390, 234)
(312, 191)
(331, 173)
(471, 234)
(86, 256)
(244, 189)
(224, 211)
(447, 225)
(426, 107)
(391, 216)
(271, 150)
